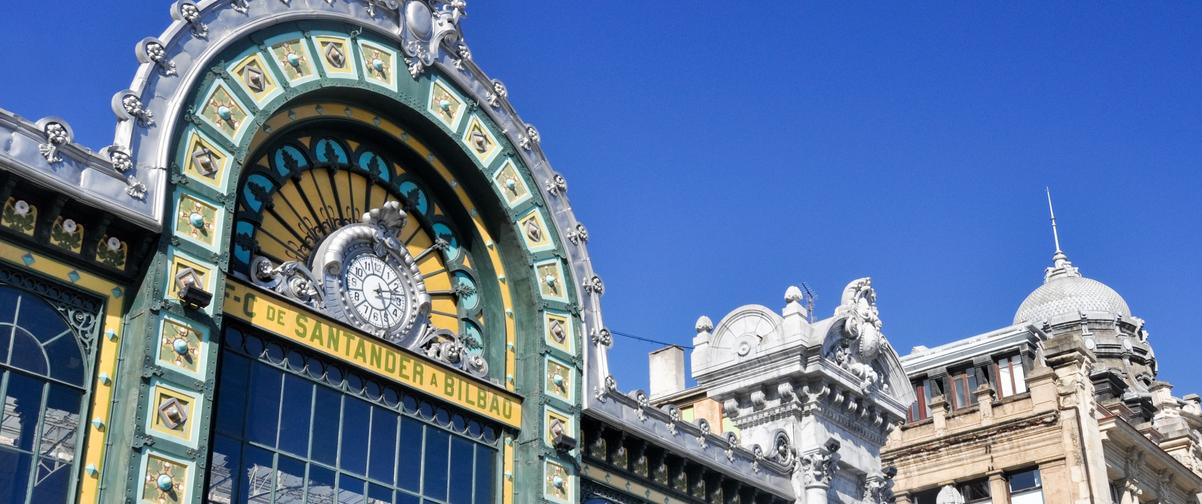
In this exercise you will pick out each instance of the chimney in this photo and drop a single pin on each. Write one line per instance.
(667, 371)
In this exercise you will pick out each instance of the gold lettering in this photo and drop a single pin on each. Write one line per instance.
(360, 353)
(448, 386)
(495, 407)
(390, 362)
(417, 372)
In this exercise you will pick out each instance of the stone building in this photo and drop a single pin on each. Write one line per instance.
(1061, 406)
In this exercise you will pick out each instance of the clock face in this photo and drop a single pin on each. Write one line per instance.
(375, 291)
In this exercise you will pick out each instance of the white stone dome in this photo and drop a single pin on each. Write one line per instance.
(1065, 291)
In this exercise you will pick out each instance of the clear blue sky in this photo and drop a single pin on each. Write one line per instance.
(721, 152)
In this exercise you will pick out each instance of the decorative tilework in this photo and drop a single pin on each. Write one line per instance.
(511, 184)
(254, 76)
(19, 215)
(551, 417)
(550, 280)
(559, 380)
(557, 485)
(165, 480)
(223, 112)
(294, 59)
(67, 234)
(198, 221)
(205, 162)
(179, 263)
(180, 347)
(379, 64)
(335, 56)
(480, 141)
(172, 414)
(111, 251)
(534, 232)
(446, 105)
(559, 330)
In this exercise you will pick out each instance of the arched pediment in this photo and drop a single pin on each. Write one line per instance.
(743, 333)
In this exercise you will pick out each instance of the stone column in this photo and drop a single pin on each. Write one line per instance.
(984, 395)
(902, 498)
(939, 407)
(999, 491)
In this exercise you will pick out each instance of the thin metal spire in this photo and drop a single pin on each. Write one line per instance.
(1055, 233)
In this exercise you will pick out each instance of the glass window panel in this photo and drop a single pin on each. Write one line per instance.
(485, 469)
(377, 494)
(356, 418)
(231, 397)
(383, 444)
(1024, 480)
(21, 406)
(434, 474)
(1027, 497)
(290, 481)
(256, 476)
(27, 353)
(294, 419)
(1003, 373)
(321, 485)
(407, 498)
(409, 461)
(463, 461)
(350, 490)
(12, 489)
(66, 360)
(223, 470)
(51, 482)
(327, 405)
(40, 318)
(8, 306)
(264, 407)
(60, 424)
(1020, 379)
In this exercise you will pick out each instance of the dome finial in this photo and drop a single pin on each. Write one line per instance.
(1060, 263)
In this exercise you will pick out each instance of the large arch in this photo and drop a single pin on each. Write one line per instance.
(229, 81)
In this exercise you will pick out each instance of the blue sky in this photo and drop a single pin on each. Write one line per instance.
(721, 152)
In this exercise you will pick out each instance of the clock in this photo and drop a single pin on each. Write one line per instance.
(375, 291)
(370, 280)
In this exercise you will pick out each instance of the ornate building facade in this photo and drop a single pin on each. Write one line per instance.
(1061, 406)
(325, 260)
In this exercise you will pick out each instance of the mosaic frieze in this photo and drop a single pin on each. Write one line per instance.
(204, 162)
(172, 414)
(164, 480)
(255, 77)
(480, 141)
(551, 282)
(180, 347)
(379, 64)
(558, 327)
(559, 381)
(294, 59)
(112, 252)
(19, 215)
(446, 105)
(197, 220)
(67, 234)
(511, 184)
(335, 56)
(534, 232)
(224, 113)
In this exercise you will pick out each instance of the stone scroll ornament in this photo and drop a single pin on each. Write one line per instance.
(425, 29)
(862, 339)
(362, 274)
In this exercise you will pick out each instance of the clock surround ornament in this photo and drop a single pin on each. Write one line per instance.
(369, 280)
